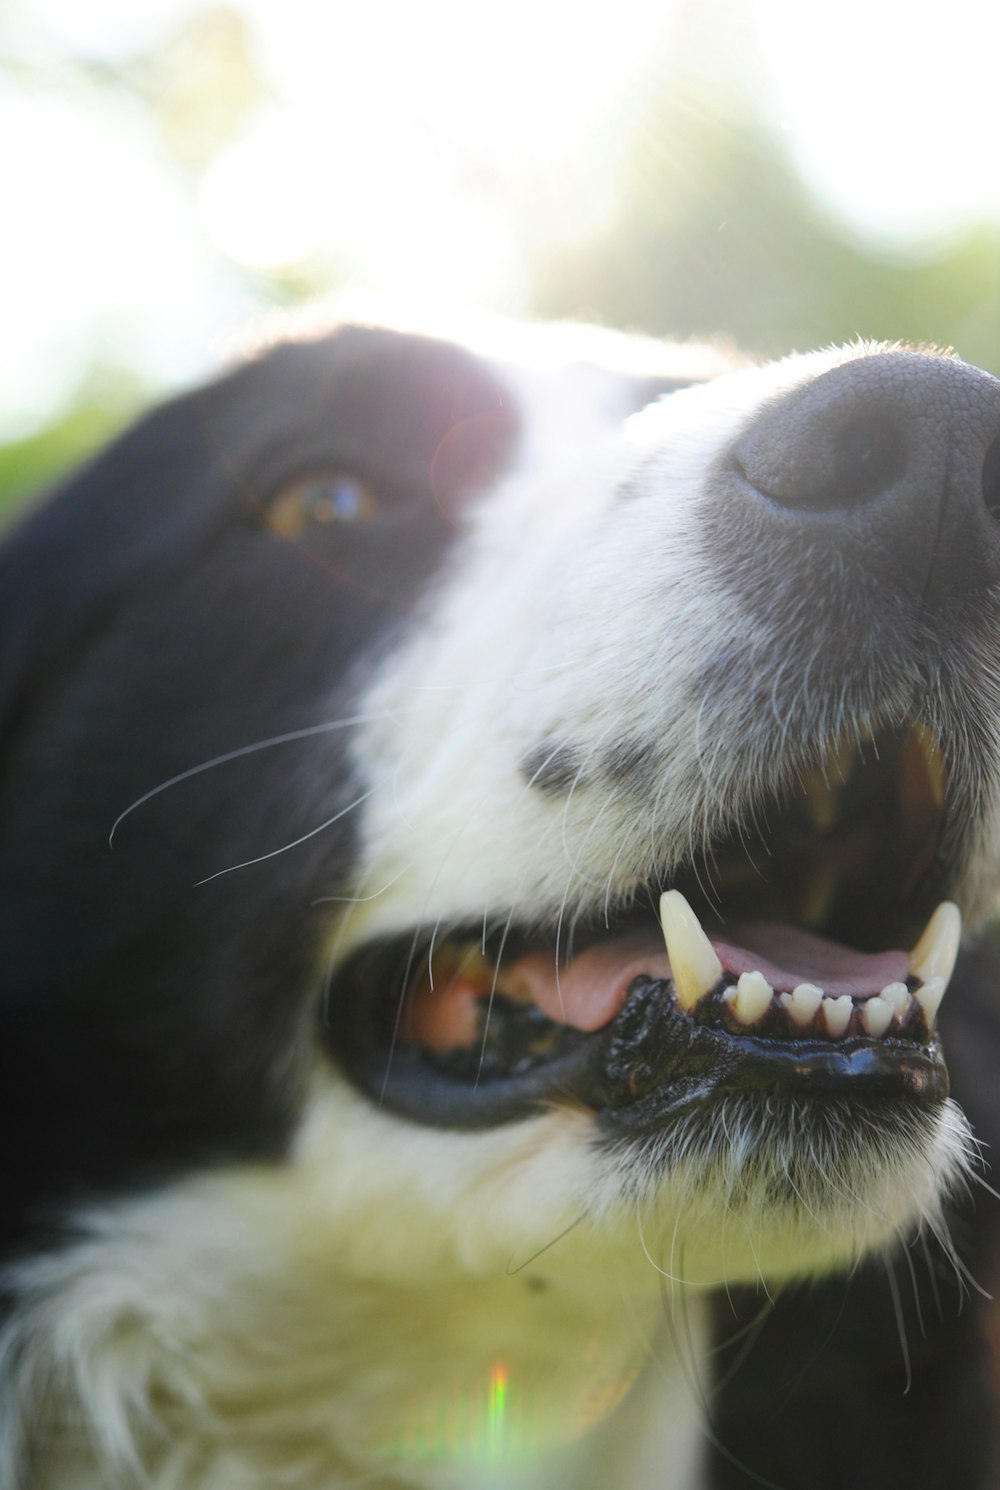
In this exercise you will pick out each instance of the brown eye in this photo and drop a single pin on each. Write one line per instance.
(322, 499)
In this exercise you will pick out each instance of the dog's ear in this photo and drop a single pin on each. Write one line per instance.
(421, 420)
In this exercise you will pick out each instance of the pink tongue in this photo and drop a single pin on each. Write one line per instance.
(774, 949)
(589, 992)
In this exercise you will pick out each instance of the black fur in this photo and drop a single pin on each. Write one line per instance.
(152, 620)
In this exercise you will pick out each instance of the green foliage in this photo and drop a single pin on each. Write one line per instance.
(29, 464)
(718, 234)
(715, 232)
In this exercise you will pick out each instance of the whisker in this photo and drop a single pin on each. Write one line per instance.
(361, 899)
(492, 996)
(286, 847)
(746, 1338)
(897, 1309)
(414, 943)
(231, 755)
(672, 1277)
(397, 1019)
(917, 1307)
(512, 1271)
(931, 1273)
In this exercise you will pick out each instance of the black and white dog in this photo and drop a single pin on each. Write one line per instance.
(365, 716)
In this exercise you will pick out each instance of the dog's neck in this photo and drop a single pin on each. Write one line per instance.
(271, 1337)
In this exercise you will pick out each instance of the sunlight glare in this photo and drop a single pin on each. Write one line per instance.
(439, 151)
(890, 109)
(104, 270)
(415, 143)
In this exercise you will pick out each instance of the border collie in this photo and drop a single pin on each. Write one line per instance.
(486, 833)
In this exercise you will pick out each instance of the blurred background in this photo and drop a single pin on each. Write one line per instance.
(784, 172)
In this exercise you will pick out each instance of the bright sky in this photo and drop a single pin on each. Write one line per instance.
(888, 106)
(891, 109)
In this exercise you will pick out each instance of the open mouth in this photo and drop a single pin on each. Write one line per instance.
(778, 962)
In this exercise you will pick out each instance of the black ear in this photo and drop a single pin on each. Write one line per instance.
(419, 418)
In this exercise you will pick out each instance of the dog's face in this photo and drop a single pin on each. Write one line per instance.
(361, 709)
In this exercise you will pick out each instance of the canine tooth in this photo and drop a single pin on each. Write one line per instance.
(897, 996)
(837, 1013)
(753, 998)
(802, 1002)
(933, 764)
(929, 996)
(935, 952)
(876, 1016)
(695, 968)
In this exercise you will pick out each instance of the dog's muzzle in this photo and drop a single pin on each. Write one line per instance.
(855, 519)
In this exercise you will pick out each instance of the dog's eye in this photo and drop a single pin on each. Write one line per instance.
(329, 497)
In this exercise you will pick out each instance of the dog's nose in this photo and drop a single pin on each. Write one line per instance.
(897, 454)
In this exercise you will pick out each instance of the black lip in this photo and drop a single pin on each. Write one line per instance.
(650, 1064)
(658, 1062)
(359, 1032)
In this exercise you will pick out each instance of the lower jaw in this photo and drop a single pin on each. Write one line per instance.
(714, 1156)
(649, 1067)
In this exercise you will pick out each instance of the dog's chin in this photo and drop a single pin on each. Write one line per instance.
(754, 1188)
(735, 1191)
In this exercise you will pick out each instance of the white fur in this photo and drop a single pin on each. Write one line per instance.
(316, 1322)
(573, 614)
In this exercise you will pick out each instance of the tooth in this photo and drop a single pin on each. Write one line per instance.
(933, 763)
(837, 1013)
(876, 1016)
(897, 996)
(929, 996)
(935, 952)
(693, 963)
(803, 1002)
(753, 998)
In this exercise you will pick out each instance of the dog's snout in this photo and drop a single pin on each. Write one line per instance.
(899, 452)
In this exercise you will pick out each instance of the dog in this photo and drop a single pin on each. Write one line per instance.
(488, 823)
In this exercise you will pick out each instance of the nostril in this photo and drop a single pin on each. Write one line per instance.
(869, 457)
(991, 479)
(826, 459)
